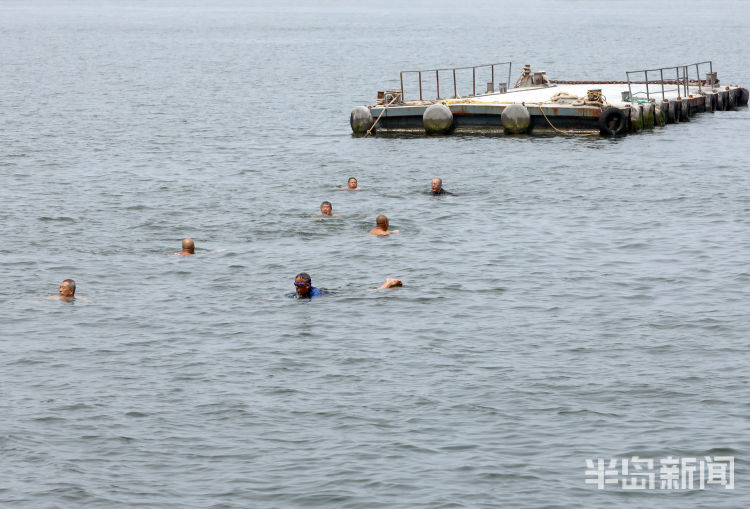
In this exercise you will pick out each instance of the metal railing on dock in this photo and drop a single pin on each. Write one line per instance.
(452, 71)
(677, 75)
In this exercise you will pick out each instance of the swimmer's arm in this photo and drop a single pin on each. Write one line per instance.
(391, 283)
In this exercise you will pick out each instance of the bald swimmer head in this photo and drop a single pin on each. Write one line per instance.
(381, 226)
(188, 246)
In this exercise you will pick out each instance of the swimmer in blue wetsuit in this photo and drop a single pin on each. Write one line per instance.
(437, 188)
(303, 287)
(305, 290)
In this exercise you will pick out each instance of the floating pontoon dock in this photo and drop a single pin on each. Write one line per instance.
(536, 104)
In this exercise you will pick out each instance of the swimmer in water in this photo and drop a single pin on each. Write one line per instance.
(67, 289)
(303, 288)
(188, 247)
(67, 292)
(381, 226)
(326, 210)
(437, 188)
(351, 185)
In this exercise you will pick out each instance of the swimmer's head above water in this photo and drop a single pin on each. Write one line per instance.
(67, 289)
(188, 247)
(302, 284)
(351, 183)
(381, 226)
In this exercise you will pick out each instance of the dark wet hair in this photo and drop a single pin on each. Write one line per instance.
(70, 283)
(351, 178)
(304, 276)
(326, 203)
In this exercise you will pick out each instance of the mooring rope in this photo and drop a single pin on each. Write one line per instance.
(369, 131)
(596, 133)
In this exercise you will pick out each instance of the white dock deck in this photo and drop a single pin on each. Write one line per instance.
(612, 93)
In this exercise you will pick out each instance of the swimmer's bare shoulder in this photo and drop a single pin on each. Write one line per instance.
(67, 299)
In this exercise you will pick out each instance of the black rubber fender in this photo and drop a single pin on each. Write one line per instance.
(723, 100)
(612, 121)
(732, 96)
(685, 110)
(674, 111)
(742, 101)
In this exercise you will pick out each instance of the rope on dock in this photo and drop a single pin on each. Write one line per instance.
(561, 131)
(369, 131)
(593, 98)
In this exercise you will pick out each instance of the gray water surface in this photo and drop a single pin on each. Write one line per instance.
(579, 298)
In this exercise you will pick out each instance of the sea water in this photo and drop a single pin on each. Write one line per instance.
(577, 299)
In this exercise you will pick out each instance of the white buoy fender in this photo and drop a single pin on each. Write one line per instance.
(437, 119)
(360, 119)
(516, 119)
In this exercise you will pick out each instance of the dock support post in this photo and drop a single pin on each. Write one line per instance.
(698, 74)
(510, 66)
(661, 74)
(630, 91)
